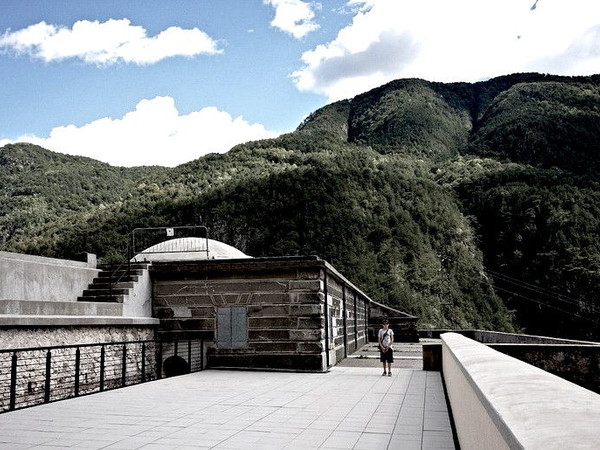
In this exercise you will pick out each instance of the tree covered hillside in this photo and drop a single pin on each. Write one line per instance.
(469, 205)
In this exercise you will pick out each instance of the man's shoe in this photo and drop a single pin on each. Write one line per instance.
(383, 374)
(389, 374)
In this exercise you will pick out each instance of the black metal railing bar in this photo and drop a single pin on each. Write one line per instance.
(31, 376)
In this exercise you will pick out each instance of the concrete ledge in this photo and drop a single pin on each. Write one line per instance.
(59, 321)
(579, 364)
(499, 402)
(44, 308)
(499, 337)
(50, 261)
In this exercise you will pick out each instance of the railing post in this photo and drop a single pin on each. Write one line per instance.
(159, 362)
(143, 362)
(201, 354)
(77, 362)
(102, 356)
(110, 277)
(190, 354)
(48, 372)
(124, 368)
(366, 332)
(355, 324)
(13, 381)
(325, 293)
(344, 320)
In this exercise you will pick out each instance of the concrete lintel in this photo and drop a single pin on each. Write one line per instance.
(58, 321)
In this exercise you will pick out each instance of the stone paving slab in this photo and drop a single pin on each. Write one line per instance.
(349, 407)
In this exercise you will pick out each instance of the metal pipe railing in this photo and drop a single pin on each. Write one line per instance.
(44, 374)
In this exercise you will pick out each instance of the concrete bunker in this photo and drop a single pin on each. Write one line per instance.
(284, 313)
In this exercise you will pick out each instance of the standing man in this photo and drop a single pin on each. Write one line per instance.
(386, 352)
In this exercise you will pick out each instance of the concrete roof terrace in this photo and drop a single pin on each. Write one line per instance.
(348, 407)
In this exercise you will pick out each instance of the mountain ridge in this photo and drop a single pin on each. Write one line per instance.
(419, 192)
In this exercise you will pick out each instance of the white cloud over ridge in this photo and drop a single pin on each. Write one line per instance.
(106, 43)
(462, 40)
(295, 17)
(154, 134)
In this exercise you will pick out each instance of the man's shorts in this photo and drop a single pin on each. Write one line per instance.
(386, 356)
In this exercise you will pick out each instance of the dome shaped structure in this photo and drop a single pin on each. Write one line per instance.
(189, 249)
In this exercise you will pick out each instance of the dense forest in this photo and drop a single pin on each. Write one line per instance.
(471, 205)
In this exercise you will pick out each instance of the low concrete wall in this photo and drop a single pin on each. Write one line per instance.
(27, 277)
(499, 402)
(579, 364)
(499, 337)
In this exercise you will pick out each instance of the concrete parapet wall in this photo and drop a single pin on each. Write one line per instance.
(499, 402)
(27, 277)
(579, 364)
(499, 337)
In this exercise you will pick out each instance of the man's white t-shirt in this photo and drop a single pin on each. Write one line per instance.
(385, 340)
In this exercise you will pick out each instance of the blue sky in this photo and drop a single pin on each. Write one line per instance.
(165, 82)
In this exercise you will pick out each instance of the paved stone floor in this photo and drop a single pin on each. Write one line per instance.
(352, 406)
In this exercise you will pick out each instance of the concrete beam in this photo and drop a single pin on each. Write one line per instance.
(55, 321)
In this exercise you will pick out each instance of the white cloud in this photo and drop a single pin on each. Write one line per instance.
(462, 40)
(106, 43)
(154, 134)
(295, 17)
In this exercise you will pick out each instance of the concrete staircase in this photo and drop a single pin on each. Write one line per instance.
(113, 283)
(37, 291)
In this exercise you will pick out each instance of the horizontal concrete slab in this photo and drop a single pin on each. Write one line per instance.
(49, 321)
(45, 308)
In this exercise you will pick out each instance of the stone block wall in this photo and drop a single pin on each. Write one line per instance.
(263, 313)
(39, 336)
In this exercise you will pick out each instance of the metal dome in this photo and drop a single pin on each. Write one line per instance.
(189, 249)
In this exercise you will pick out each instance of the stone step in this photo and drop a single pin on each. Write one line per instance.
(103, 279)
(119, 285)
(95, 292)
(102, 298)
(119, 273)
(120, 267)
(45, 308)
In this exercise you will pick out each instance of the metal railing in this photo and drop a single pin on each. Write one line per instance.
(32, 376)
(146, 241)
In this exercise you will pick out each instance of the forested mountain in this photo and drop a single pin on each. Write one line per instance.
(469, 205)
